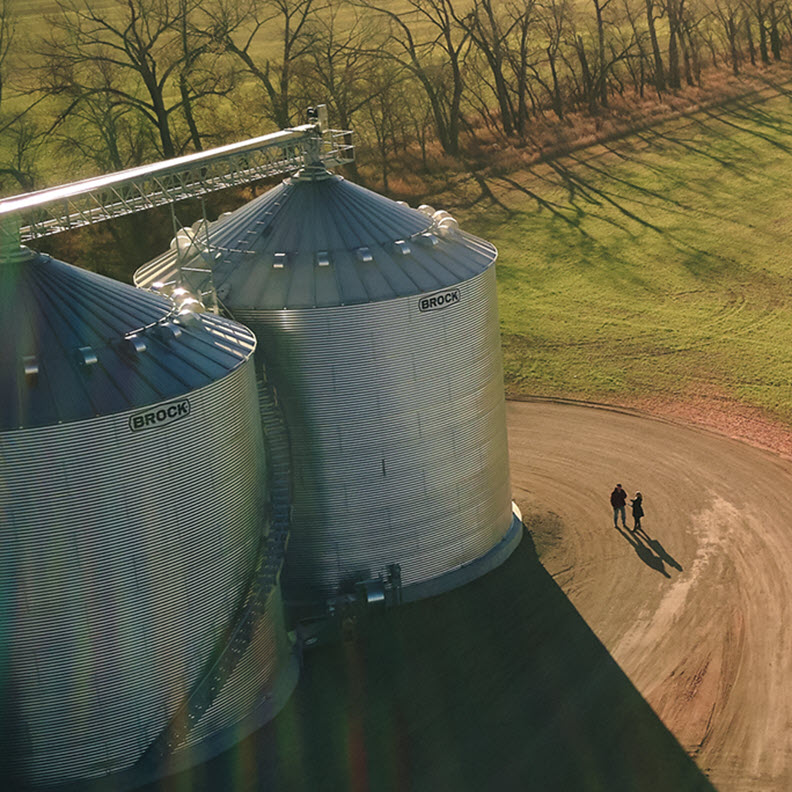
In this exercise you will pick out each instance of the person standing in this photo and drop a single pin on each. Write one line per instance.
(637, 510)
(618, 501)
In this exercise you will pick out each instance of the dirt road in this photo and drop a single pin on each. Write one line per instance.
(694, 611)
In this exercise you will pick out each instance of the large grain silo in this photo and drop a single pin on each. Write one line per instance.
(378, 327)
(141, 615)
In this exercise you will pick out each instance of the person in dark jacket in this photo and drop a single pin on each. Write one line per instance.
(637, 510)
(618, 501)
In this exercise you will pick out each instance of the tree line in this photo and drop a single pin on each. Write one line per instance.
(101, 85)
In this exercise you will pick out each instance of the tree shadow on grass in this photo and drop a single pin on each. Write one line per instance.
(498, 685)
(723, 118)
(574, 181)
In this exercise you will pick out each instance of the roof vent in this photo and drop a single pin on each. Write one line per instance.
(364, 255)
(184, 240)
(169, 332)
(279, 261)
(135, 345)
(448, 225)
(31, 368)
(402, 247)
(322, 258)
(429, 239)
(86, 356)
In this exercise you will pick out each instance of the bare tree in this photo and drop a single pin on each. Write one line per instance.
(491, 29)
(7, 33)
(728, 12)
(759, 9)
(773, 15)
(435, 60)
(21, 136)
(602, 76)
(141, 51)
(24, 140)
(383, 111)
(243, 28)
(555, 25)
(341, 62)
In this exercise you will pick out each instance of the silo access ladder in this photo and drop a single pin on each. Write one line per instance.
(279, 458)
(220, 668)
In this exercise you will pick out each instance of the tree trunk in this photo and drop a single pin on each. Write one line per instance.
(731, 32)
(760, 21)
(602, 76)
(775, 38)
(674, 81)
(686, 60)
(160, 113)
(188, 114)
(558, 106)
(749, 35)
(660, 80)
(588, 86)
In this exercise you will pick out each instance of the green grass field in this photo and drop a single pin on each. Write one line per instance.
(659, 264)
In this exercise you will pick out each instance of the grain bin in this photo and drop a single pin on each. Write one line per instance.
(137, 577)
(378, 326)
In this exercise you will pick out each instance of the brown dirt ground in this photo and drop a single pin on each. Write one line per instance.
(693, 610)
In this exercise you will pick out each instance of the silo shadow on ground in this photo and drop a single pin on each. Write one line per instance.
(498, 685)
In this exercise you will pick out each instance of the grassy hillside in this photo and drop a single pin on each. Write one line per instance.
(656, 265)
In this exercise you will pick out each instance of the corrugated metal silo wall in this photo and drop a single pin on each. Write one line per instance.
(269, 653)
(397, 422)
(126, 554)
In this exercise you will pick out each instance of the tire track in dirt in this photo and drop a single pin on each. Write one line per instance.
(694, 610)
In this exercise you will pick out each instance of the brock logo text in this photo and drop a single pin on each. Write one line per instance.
(440, 300)
(159, 416)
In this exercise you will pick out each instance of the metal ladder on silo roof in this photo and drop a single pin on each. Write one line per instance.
(279, 457)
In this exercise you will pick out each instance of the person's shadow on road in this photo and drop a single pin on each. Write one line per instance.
(662, 553)
(650, 551)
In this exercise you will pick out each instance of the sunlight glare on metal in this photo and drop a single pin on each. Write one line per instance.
(100, 198)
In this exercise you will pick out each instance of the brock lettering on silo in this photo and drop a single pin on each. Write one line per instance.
(434, 302)
(160, 416)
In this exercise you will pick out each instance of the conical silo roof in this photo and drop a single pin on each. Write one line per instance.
(318, 240)
(74, 344)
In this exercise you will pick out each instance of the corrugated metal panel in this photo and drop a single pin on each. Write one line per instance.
(378, 326)
(125, 554)
(397, 423)
(254, 678)
(375, 250)
(50, 311)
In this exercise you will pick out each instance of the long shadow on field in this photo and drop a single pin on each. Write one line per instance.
(499, 685)
(723, 118)
(575, 183)
(664, 137)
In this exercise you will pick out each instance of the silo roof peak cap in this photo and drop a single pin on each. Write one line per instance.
(315, 171)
